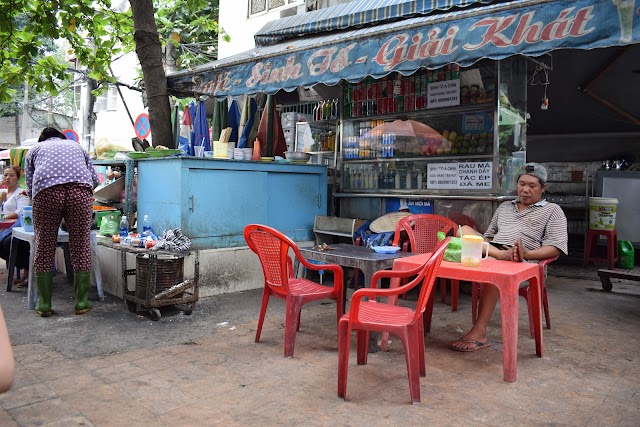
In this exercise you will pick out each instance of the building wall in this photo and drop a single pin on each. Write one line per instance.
(235, 21)
(34, 126)
(115, 126)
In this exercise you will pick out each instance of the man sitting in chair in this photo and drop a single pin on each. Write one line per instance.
(526, 229)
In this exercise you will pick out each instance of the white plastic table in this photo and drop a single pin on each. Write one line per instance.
(63, 237)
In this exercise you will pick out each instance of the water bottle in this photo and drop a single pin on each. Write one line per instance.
(146, 227)
(124, 226)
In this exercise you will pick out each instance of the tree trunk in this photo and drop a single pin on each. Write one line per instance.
(149, 52)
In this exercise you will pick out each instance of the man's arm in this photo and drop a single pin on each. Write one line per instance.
(542, 252)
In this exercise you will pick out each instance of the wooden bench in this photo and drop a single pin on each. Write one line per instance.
(332, 229)
(606, 275)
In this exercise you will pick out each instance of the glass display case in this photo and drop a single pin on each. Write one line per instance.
(447, 131)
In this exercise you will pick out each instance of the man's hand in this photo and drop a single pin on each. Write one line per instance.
(506, 253)
(519, 251)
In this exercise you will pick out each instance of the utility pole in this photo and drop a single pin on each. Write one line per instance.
(25, 109)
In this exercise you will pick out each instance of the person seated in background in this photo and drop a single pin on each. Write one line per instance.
(526, 229)
(14, 199)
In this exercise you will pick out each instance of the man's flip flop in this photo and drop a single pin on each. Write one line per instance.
(477, 345)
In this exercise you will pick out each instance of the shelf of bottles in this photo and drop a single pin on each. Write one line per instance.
(396, 93)
(326, 110)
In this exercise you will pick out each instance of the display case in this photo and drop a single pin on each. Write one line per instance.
(320, 139)
(450, 131)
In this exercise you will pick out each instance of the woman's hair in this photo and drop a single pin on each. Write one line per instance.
(15, 168)
(50, 133)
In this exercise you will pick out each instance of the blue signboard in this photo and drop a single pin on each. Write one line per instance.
(415, 206)
(496, 31)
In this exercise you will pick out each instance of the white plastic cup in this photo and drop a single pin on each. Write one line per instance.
(199, 150)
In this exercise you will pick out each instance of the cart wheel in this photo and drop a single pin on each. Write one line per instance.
(189, 310)
(155, 314)
(132, 306)
(606, 284)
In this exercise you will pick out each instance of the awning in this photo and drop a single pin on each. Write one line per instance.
(527, 27)
(354, 14)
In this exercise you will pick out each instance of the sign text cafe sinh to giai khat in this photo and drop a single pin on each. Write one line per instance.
(526, 27)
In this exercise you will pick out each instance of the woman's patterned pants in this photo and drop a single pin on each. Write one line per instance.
(73, 203)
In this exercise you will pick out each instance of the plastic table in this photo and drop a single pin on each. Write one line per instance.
(63, 237)
(506, 276)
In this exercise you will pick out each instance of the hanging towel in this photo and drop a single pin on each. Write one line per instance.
(219, 120)
(233, 121)
(247, 122)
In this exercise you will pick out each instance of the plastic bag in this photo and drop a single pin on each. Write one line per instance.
(111, 224)
(453, 253)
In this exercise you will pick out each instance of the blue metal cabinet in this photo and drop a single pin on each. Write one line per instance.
(213, 200)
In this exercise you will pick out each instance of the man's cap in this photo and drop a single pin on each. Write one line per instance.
(534, 169)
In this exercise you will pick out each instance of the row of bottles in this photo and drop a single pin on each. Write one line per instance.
(324, 141)
(385, 176)
(393, 93)
(326, 110)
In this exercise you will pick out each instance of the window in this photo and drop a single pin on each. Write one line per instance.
(257, 7)
(108, 100)
(112, 98)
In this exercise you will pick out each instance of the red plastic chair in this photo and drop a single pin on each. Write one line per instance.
(524, 292)
(367, 316)
(272, 248)
(421, 230)
(461, 219)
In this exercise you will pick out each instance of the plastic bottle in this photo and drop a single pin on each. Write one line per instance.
(124, 226)
(419, 181)
(397, 180)
(626, 254)
(146, 227)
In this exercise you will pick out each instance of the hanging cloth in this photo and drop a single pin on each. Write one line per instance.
(270, 132)
(192, 134)
(219, 120)
(248, 122)
(233, 121)
(185, 131)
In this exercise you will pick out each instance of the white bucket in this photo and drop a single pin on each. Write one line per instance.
(602, 213)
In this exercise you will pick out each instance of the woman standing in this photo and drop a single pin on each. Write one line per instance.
(13, 200)
(61, 178)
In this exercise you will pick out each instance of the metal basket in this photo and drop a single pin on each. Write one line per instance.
(169, 272)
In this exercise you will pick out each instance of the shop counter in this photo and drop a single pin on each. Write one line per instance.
(212, 200)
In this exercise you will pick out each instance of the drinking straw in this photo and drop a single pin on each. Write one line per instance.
(460, 230)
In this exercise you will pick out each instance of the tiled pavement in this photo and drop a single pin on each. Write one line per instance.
(589, 375)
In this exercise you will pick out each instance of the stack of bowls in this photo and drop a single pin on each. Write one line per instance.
(248, 153)
(238, 154)
(230, 148)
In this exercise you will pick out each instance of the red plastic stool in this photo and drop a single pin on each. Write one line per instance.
(612, 248)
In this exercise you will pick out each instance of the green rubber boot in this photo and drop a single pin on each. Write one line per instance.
(44, 283)
(81, 282)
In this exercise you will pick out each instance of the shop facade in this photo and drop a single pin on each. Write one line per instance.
(461, 73)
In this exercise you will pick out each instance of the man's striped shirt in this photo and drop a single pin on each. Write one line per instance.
(541, 224)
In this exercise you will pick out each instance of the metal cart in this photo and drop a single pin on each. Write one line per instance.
(159, 280)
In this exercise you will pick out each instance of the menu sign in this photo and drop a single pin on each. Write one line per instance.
(459, 176)
(443, 94)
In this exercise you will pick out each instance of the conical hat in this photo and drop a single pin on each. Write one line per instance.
(387, 222)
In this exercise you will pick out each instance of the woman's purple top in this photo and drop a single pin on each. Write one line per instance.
(58, 161)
